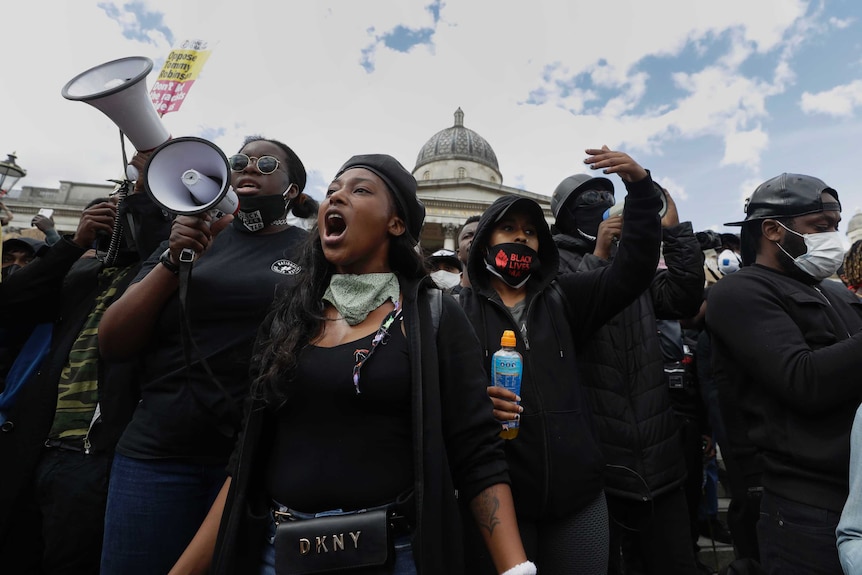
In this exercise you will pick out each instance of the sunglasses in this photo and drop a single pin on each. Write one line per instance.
(265, 164)
(592, 197)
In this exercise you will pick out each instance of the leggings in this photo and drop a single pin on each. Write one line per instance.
(573, 545)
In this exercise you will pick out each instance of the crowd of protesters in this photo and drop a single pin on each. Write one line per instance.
(300, 388)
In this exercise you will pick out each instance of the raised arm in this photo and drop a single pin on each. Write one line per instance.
(598, 295)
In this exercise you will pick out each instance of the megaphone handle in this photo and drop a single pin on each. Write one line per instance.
(187, 255)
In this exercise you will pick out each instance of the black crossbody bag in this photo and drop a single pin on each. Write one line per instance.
(355, 542)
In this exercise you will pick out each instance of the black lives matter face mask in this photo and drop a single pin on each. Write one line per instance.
(513, 263)
(257, 212)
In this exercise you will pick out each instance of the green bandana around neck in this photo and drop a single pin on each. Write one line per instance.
(357, 295)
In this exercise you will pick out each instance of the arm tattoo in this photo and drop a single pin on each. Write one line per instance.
(485, 507)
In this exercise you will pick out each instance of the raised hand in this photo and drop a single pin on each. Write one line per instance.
(612, 162)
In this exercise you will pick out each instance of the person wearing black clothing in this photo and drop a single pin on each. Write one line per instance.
(363, 399)
(789, 345)
(57, 444)
(170, 461)
(555, 461)
(623, 369)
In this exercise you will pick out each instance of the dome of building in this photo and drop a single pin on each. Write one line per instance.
(457, 143)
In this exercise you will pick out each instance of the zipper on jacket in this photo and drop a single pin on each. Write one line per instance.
(829, 303)
(96, 415)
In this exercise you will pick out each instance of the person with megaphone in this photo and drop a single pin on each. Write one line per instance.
(61, 426)
(194, 335)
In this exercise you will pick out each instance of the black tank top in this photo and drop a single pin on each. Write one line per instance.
(336, 449)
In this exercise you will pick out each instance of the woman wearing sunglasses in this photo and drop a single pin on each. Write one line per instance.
(195, 345)
(363, 401)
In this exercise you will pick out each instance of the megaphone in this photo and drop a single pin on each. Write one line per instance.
(117, 88)
(617, 208)
(188, 176)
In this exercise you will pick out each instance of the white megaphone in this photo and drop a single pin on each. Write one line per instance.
(617, 208)
(188, 176)
(117, 88)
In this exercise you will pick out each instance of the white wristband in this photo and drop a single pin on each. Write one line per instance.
(525, 568)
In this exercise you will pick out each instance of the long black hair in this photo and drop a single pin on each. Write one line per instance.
(296, 316)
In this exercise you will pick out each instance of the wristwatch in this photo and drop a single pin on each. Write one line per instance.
(165, 260)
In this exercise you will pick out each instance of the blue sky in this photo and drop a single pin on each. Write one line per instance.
(713, 98)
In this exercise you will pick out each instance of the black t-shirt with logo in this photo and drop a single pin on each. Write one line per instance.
(184, 414)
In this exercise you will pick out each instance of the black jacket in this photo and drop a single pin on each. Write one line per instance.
(54, 292)
(792, 355)
(555, 462)
(456, 445)
(623, 369)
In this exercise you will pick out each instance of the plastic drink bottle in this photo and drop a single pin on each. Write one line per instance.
(507, 366)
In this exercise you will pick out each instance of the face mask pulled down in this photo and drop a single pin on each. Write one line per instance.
(824, 253)
(257, 212)
(513, 263)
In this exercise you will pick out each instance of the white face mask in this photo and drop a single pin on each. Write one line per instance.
(446, 280)
(728, 262)
(824, 255)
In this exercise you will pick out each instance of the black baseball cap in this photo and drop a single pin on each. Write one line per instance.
(788, 195)
(444, 255)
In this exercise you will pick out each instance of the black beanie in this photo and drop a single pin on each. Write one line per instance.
(400, 182)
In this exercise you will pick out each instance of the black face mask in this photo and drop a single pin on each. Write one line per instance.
(145, 225)
(257, 212)
(513, 263)
(9, 270)
(584, 218)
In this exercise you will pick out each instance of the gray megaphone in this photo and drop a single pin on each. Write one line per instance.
(617, 208)
(117, 88)
(187, 176)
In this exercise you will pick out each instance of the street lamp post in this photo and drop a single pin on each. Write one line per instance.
(10, 173)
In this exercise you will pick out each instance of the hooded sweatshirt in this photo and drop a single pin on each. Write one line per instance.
(555, 462)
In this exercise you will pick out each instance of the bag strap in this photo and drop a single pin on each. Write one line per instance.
(436, 301)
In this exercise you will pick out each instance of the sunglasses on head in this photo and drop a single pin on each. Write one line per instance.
(592, 197)
(265, 164)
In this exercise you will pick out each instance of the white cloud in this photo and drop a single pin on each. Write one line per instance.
(840, 101)
(744, 148)
(293, 71)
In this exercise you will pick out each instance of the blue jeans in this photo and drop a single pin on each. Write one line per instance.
(154, 509)
(403, 564)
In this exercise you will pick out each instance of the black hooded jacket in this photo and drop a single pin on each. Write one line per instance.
(623, 368)
(555, 462)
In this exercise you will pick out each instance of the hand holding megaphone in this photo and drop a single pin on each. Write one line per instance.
(191, 235)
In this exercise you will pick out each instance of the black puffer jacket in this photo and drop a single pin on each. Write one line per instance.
(623, 369)
(555, 462)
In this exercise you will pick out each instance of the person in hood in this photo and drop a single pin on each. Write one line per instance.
(788, 346)
(358, 403)
(18, 252)
(623, 365)
(194, 335)
(555, 462)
